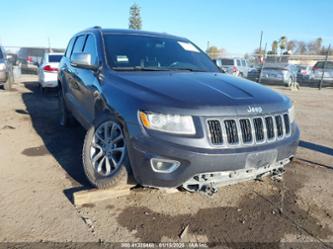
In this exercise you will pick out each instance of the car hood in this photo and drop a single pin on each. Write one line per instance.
(202, 91)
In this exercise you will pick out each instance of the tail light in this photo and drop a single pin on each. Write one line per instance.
(234, 69)
(50, 69)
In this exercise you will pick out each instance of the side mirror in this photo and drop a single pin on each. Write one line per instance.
(82, 60)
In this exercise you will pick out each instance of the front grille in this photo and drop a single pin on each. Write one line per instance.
(286, 123)
(215, 131)
(259, 129)
(231, 130)
(269, 127)
(248, 130)
(279, 126)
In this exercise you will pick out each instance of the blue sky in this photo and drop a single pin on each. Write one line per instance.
(234, 25)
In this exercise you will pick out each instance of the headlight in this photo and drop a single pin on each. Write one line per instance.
(2, 66)
(291, 112)
(177, 124)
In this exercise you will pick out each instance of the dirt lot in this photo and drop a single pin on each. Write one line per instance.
(40, 169)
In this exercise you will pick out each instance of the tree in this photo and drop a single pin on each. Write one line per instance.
(275, 45)
(213, 52)
(315, 47)
(291, 46)
(135, 21)
(283, 43)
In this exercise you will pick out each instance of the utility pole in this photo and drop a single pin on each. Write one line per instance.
(49, 43)
(263, 62)
(261, 34)
(322, 76)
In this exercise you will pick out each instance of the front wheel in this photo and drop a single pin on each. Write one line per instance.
(8, 84)
(289, 83)
(105, 159)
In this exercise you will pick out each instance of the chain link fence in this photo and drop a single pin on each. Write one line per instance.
(25, 60)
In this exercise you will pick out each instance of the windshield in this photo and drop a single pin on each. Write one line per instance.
(140, 52)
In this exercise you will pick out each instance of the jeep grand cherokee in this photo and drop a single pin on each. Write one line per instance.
(156, 108)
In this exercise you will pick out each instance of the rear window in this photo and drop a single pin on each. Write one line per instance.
(55, 58)
(227, 62)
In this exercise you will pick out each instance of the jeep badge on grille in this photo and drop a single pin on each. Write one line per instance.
(253, 109)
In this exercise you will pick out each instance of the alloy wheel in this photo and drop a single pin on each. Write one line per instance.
(107, 150)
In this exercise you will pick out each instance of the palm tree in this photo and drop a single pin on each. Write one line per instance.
(283, 43)
(275, 45)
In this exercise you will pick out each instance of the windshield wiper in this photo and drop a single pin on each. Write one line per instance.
(137, 68)
(186, 69)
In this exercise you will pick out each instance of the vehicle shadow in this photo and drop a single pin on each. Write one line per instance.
(65, 144)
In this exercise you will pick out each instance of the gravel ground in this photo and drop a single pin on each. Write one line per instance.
(40, 168)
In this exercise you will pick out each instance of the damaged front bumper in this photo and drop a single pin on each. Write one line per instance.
(209, 182)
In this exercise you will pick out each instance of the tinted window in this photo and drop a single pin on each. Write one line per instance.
(55, 58)
(238, 63)
(1, 55)
(69, 48)
(227, 62)
(243, 63)
(130, 52)
(78, 46)
(320, 64)
(90, 47)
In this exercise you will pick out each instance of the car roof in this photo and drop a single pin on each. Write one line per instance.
(132, 32)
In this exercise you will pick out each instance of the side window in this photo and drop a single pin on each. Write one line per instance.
(78, 46)
(243, 63)
(91, 48)
(238, 63)
(69, 48)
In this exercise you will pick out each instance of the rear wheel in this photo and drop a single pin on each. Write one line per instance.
(105, 159)
(8, 84)
(289, 83)
(65, 117)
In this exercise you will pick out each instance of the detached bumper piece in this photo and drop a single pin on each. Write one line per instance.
(210, 182)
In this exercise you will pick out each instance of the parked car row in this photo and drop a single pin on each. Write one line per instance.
(281, 74)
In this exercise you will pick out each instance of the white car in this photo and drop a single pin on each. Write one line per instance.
(48, 70)
(233, 66)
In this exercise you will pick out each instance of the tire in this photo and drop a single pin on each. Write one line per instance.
(289, 83)
(8, 84)
(96, 153)
(65, 117)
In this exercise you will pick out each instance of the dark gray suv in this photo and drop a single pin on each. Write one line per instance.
(158, 109)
